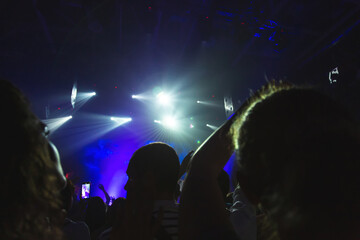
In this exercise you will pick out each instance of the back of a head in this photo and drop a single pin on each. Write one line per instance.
(116, 211)
(95, 213)
(299, 151)
(28, 180)
(162, 161)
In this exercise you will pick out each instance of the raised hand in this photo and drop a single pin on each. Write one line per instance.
(101, 187)
(201, 190)
(185, 163)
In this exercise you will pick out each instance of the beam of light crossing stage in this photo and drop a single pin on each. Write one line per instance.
(120, 121)
(82, 98)
(210, 104)
(212, 126)
(90, 126)
(137, 97)
(54, 123)
(142, 96)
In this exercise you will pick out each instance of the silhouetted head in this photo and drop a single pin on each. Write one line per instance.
(29, 180)
(95, 213)
(116, 211)
(299, 156)
(158, 161)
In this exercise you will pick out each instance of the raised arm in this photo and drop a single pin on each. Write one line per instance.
(185, 164)
(101, 187)
(202, 212)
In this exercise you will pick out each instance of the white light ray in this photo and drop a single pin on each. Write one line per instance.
(120, 121)
(163, 99)
(212, 126)
(97, 125)
(169, 122)
(210, 104)
(82, 98)
(73, 95)
(54, 123)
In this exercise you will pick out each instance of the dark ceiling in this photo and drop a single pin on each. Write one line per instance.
(211, 45)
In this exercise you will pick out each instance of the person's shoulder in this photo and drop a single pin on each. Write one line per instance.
(173, 207)
(105, 235)
(76, 225)
(82, 224)
(76, 230)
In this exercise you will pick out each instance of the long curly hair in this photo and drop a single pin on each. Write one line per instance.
(299, 151)
(30, 206)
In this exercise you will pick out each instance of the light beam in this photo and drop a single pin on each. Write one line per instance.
(54, 123)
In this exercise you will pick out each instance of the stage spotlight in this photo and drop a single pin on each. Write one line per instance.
(120, 121)
(209, 103)
(170, 122)
(54, 123)
(73, 94)
(82, 98)
(212, 126)
(86, 95)
(139, 96)
(163, 99)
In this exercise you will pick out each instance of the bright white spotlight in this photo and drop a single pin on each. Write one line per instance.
(82, 98)
(84, 95)
(163, 99)
(212, 126)
(120, 121)
(73, 94)
(209, 103)
(170, 122)
(54, 123)
(137, 96)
